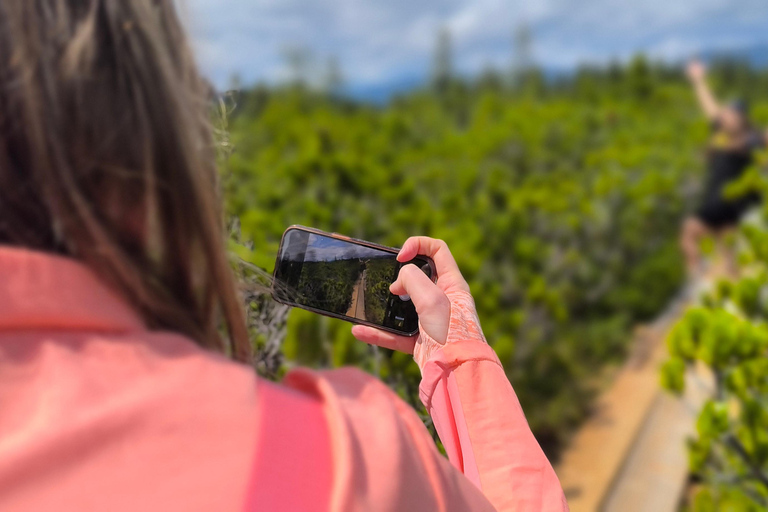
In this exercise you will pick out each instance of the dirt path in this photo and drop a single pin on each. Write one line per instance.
(654, 475)
(630, 456)
(357, 307)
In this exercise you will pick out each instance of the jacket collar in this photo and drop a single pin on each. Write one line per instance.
(39, 291)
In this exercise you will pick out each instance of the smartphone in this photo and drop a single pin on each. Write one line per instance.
(344, 278)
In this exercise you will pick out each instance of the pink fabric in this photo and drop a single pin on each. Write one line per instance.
(97, 413)
(469, 464)
(48, 292)
(479, 419)
(514, 473)
(293, 428)
(384, 459)
(463, 325)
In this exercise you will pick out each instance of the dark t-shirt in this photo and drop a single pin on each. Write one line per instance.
(725, 164)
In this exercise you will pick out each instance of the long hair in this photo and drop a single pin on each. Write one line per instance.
(107, 156)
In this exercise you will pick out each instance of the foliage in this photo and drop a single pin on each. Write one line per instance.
(729, 335)
(561, 204)
(378, 274)
(328, 284)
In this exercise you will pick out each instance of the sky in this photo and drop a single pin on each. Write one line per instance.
(383, 43)
(321, 248)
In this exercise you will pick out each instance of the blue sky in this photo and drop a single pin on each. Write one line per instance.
(379, 42)
(321, 248)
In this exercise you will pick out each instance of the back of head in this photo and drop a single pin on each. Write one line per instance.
(735, 116)
(741, 106)
(106, 156)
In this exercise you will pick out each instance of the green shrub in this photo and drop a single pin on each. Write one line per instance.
(729, 334)
(562, 212)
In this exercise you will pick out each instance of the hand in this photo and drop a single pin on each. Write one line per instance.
(430, 299)
(695, 70)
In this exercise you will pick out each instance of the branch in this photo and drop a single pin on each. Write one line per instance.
(757, 472)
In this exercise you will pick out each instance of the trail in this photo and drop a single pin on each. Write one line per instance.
(630, 455)
(357, 307)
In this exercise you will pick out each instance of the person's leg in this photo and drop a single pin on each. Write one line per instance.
(690, 237)
(725, 240)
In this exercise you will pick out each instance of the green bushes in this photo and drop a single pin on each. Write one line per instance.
(378, 274)
(729, 335)
(328, 284)
(562, 214)
(730, 450)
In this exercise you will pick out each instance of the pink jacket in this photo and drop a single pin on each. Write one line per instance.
(98, 413)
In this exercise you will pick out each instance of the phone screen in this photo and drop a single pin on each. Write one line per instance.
(344, 279)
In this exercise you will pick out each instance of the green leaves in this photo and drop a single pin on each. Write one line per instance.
(673, 375)
(730, 336)
(717, 337)
(713, 420)
(562, 215)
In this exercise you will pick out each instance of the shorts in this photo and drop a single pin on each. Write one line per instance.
(718, 214)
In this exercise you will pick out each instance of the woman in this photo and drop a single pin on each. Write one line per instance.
(114, 284)
(733, 143)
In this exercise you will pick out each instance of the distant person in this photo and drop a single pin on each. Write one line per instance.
(120, 316)
(731, 151)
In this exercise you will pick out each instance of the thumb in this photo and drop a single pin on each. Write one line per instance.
(431, 303)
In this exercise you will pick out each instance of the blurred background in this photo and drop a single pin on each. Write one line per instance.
(556, 146)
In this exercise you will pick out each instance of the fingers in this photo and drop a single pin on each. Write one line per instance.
(445, 264)
(429, 299)
(383, 339)
(415, 283)
(425, 246)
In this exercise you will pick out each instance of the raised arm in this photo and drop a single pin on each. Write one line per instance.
(464, 388)
(697, 74)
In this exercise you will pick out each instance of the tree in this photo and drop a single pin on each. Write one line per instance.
(639, 77)
(298, 59)
(490, 80)
(442, 70)
(526, 77)
(333, 79)
(522, 60)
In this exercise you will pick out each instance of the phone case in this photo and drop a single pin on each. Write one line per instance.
(335, 315)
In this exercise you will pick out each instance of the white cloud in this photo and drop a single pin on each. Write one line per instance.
(379, 41)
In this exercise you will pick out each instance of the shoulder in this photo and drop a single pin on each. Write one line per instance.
(382, 455)
(360, 407)
(127, 413)
(293, 464)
